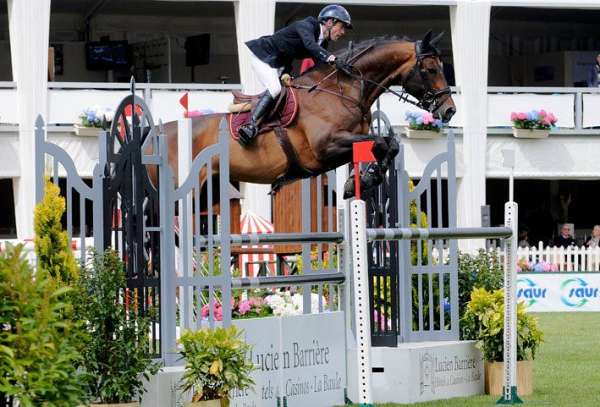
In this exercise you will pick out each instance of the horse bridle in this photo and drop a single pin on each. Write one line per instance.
(430, 100)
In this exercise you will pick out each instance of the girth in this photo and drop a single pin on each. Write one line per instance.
(295, 170)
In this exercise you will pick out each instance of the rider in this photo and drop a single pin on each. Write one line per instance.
(272, 55)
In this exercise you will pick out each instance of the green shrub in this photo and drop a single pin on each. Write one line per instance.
(482, 270)
(116, 357)
(39, 341)
(484, 321)
(215, 363)
(51, 242)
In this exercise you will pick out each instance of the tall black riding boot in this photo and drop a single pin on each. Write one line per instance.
(248, 131)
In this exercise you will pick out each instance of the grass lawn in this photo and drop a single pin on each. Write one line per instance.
(566, 369)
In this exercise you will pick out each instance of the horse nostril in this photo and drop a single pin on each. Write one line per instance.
(449, 113)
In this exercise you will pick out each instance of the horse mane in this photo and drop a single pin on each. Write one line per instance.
(344, 53)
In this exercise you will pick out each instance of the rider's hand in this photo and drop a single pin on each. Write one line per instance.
(331, 59)
(286, 79)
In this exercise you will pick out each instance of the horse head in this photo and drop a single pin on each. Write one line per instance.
(426, 81)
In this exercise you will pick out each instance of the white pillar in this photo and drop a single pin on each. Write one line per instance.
(253, 19)
(470, 22)
(29, 25)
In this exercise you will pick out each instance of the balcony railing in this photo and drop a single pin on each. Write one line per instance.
(576, 108)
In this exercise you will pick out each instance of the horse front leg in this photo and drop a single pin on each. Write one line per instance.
(384, 150)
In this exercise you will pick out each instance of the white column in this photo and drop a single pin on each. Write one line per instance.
(470, 22)
(29, 25)
(253, 19)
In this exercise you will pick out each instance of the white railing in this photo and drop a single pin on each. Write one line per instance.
(576, 108)
(561, 259)
(571, 258)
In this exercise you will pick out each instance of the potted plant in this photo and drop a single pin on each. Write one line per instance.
(215, 363)
(116, 358)
(422, 125)
(93, 120)
(484, 321)
(534, 124)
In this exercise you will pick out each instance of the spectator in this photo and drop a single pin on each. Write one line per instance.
(593, 80)
(594, 240)
(523, 239)
(565, 238)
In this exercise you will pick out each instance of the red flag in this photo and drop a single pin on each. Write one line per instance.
(361, 152)
(184, 101)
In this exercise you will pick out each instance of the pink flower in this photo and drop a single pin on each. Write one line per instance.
(519, 269)
(542, 113)
(218, 313)
(554, 267)
(521, 116)
(244, 307)
(547, 266)
(205, 311)
(513, 117)
(427, 118)
(551, 118)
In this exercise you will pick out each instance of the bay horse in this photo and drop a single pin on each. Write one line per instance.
(334, 111)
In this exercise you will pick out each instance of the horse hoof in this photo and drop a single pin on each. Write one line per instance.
(349, 188)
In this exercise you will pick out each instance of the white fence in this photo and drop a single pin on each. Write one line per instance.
(572, 258)
(565, 259)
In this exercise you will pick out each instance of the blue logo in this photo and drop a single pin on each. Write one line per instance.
(576, 292)
(532, 292)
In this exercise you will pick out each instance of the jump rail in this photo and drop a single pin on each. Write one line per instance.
(285, 281)
(276, 238)
(438, 233)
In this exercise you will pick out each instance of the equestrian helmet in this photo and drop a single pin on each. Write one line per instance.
(336, 12)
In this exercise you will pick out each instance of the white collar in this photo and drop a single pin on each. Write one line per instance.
(321, 35)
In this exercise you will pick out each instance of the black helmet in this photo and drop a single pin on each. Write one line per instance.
(336, 12)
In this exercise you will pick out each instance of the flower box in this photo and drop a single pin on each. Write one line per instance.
(422, 134)
(530, 133)
(534, 124)
(132, 404)
(86, 131)
(494, 378)
(422, 125)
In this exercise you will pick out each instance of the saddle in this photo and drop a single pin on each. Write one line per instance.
(282, 114)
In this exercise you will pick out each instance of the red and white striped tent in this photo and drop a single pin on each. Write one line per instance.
(253, 223)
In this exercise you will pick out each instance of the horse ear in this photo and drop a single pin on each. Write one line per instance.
(436, 39)
(426, 39)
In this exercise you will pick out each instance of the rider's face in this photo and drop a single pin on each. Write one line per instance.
(337, 30)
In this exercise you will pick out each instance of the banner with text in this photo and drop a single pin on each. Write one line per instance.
(559, 292)
(300, 358)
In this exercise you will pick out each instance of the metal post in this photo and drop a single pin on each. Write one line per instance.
(168, 305)
(361, 301)
(184, 151)
(509, 393)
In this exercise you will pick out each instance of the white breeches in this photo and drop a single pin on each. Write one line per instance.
(267, 75)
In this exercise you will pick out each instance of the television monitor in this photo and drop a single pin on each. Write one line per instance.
(107, 55)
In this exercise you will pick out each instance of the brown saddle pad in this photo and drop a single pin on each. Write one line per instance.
(283, 113)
